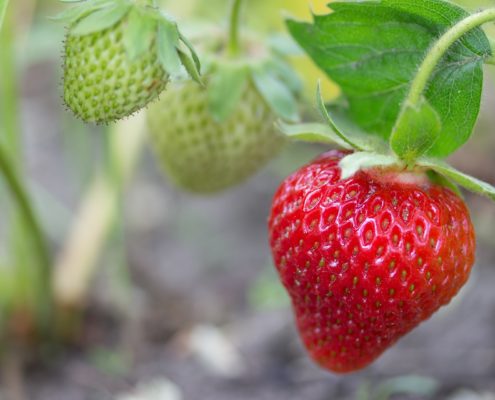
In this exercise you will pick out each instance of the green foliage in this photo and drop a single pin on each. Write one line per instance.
(225, 89)
(313, 133)
(372, 49)
(464, 180)
(139, 33)
(276, 93)
(363, 160)
(416, 131)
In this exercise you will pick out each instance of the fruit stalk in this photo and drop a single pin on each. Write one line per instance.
(439, 50)
(235, 16)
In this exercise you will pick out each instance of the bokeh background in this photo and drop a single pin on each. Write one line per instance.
(184, 302)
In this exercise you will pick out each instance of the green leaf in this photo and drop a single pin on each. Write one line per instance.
(468, 182)
(168, 42)
(312, 133)
(276, 94)
(101, 19)
(441, 180)
(372, 49)
(416, 131)
(355, 141)
(139, 33)
(225, 89)
(364, 160)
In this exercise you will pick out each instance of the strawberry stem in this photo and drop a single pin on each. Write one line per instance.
(235, 16)
(439, 50)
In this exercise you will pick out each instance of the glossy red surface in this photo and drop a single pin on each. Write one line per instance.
(365, 260)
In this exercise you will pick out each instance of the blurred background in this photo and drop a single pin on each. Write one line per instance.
(184, 302)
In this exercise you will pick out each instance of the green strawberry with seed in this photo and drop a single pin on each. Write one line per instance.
(203, 155)
(211, 138)
(119, 56)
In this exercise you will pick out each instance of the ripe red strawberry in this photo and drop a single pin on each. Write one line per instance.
(366, 259)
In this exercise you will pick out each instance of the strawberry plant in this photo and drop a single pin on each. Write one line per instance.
(372, 240)
(369, 240)
(213, 137)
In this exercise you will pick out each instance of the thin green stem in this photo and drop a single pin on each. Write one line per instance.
(235, 17)
(8, 90)
(23, 202)
(441, 47)
(25, 222)
(3, 10)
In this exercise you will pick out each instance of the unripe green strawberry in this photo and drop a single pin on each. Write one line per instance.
(102, 83)
(212, 137)
(119, 56)
(202, 155)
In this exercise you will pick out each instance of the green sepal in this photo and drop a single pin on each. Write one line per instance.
(100, 19)
(355, 162)
(466, 181)
(225, 88)
(276, 93)
(190, 66)
(355, 140)
(168, 42)
(415, 132)
(286, 74)
(441, 180)
(74, 14)
(194, 56)
(139, 33)
(312, 133)
(284, 46)
(172, 58)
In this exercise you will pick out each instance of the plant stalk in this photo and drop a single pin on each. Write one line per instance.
(234, 28)
(441, 47)
(25, 222)
(8, 80)
(23, 202)
(3, 10)
(10, 145)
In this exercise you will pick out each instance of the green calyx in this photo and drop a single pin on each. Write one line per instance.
(145, 25)
(412, 93)
(245, 62)
(273, 78)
